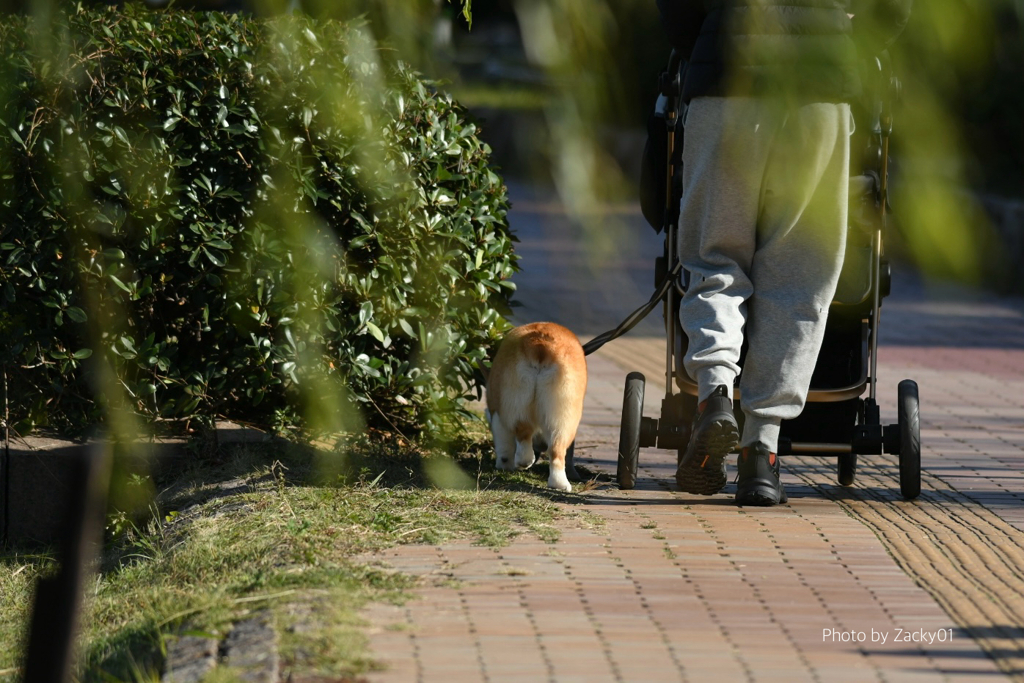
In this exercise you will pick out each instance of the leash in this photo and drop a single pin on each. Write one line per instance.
(636, 316)
(600, 340)
(670, 84)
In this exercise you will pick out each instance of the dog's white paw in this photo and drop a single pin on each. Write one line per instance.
(525, 460)
(504, 464)
(558, 481)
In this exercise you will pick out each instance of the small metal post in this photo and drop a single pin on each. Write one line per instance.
(671, 122)
(5, 466)
(876, 310)
(885, 121)
(54, 627)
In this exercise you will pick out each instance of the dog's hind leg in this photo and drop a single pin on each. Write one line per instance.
(539, 446)
(556, 477)
(524, 446)
(561, 406)
(504, 444)
(570, 464)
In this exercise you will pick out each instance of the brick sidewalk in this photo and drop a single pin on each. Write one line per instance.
(678, 587)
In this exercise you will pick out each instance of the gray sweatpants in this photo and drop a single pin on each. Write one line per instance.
(763, 234)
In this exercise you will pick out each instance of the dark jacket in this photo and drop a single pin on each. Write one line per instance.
(809, 50)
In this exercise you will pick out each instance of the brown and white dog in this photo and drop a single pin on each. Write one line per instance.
(535, 389)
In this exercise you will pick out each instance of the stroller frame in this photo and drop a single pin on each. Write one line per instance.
(867, 436)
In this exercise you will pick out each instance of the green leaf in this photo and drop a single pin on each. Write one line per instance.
(215, 258)
(82, 354)
(119, 283)
(189, 406)
(375, 331)
(76, 314)
(311, 37)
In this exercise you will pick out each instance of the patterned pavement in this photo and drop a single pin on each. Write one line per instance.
(840, 584)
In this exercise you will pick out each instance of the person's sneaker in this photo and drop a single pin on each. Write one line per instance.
(715, 434)
(758, 481)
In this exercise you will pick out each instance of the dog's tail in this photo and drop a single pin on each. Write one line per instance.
(538, 349)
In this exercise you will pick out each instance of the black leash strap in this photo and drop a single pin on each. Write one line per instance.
(670, 85)
(636, 316)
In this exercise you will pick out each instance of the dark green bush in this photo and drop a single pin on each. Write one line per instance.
(239, 218)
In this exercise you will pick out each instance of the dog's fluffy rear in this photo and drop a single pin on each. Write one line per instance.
(536, 388)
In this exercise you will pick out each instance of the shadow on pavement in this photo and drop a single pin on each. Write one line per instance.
(997, 631)
(998, 655)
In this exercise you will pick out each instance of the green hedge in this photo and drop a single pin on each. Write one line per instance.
(242, 218)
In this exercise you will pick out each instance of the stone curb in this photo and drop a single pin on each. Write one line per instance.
(250, 650)
(34, 481)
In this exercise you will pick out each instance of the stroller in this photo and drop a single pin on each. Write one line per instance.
(837, 419)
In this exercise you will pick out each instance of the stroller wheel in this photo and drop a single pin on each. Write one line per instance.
(629, 430)
(910, 440)
(847, 468)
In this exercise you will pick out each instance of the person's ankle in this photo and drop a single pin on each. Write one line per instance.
(719, 393)
(758, 449)
(759, 480)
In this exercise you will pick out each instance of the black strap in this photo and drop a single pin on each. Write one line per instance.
(636, 316)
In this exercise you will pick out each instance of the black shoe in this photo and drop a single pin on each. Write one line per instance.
(758, 482)
(715, 435)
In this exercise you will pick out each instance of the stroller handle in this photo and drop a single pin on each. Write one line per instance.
(670, 82)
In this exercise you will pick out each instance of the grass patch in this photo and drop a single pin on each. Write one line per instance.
(280, 528)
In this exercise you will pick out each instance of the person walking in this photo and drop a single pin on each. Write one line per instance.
(763, 216)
